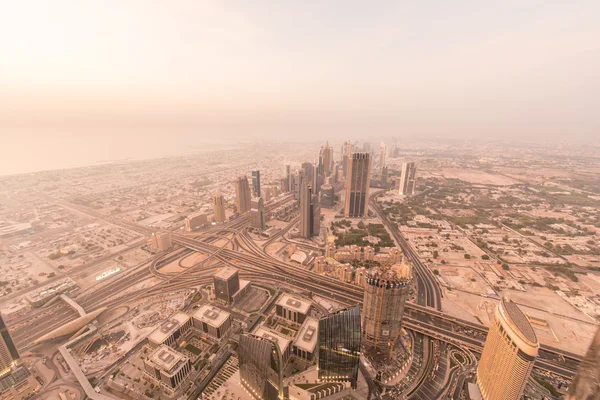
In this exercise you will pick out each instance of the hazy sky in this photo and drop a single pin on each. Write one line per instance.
(520, 69)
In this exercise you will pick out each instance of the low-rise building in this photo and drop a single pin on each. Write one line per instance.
(167, 367)
(306, 340)
(212, 321)
(196, 221)
(292, 308)
(170, 331)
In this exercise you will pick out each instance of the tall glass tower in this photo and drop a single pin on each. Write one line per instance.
(261, 367)
(8, 351)
(339, 346)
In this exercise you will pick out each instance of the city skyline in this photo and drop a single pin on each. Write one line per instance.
(300, 200)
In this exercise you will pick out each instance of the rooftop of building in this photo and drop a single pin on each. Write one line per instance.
(226, 273)
(519, 320)
(167, 328)
(306, 338)
(399, 272)
(273, 336)
(294, 303)
(167, 359)
(211, 315)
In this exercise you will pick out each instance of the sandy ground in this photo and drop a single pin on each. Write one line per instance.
(569, 329)
(479, 177)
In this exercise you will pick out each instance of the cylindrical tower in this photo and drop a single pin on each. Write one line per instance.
(509, 353)
(386, 290)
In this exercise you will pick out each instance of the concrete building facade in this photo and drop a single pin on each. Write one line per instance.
(357, 186)
(508, 355)
(407, 179)
(242, 195)
(219, 208)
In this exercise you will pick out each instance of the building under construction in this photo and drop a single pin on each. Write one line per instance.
(386, 291)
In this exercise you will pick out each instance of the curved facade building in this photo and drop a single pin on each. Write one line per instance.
(261, 367)
(339, 347)
(386, 291)
(509, 353)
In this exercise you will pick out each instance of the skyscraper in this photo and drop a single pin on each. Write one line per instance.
(357, 185)
(586, 384)
(8, 351)
(382, 155)
(386, 291)
(508, 355)
(346, 154)
(407, 179)
(297, 179)
(288, 179)
(242, 195)
(327, 155)
(339, 346)
(308, 172)
(256, 183)
(310, 212)
(261, 367)
(219, 208)
(257, 213)
(316, 214)
(226, 283)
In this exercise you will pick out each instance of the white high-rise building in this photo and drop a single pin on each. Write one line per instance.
(407, 179)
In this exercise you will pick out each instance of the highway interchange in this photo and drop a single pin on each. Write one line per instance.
(423, 317)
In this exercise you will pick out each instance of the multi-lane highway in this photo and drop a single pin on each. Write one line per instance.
(240, 250)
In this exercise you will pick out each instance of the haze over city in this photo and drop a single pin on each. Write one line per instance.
(86, 73)
(299, 200)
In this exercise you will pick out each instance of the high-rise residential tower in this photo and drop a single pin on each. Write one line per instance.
(257, 213)
(382, 155)
(297, 179)
(261, 367)
(8, 350)
(386, 291)
(310, 212)
(357, 185)
(288, 179)
(339, 346)
(586, 384)
(219, 208)
(308, 172)
(407, 179)
(346, 154)
(242, 195)
(508, 355)
(256, 183)
(327, 155)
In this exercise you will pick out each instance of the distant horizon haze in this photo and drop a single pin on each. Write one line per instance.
(82, 81)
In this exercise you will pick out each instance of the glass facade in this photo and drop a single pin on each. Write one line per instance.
(339, 346)
(9, 352)
(261, 367)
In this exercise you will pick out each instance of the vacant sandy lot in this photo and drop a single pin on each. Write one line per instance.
(479, 177)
